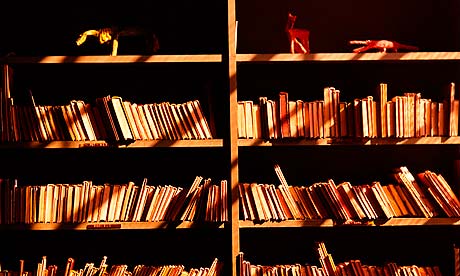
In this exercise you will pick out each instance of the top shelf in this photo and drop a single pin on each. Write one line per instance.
(355, 57)
(112, 59)
(216, 58)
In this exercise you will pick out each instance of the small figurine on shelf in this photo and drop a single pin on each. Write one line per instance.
(298, 38)
(382, 46)
(112, 35)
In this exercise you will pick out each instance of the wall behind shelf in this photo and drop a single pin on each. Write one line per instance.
(161, 166)
(430, 25)
(304, 166)
(51, 27)
(306, 81)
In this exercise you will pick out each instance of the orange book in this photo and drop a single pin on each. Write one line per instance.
(293, 124)
(283, 111)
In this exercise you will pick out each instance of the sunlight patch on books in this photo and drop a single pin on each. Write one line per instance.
(89, 205)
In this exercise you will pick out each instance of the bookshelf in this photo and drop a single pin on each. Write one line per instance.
(44, 62)
(264, 67)
(205, 55)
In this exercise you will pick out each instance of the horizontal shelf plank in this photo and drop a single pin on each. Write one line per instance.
(331, 223)
(287, 223)
(112, 59)
(348, 141)
(419, 221)
(414, 56)
(98, 144)
(112, 225)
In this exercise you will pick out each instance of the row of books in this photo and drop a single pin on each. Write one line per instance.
(104, 269)
(110, 119)
(204, 200)
(403, 116)
(327, 267)
(429, 196)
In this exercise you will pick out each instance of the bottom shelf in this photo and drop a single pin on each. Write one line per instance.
(104, 267)
(421, 245)
(326, 266)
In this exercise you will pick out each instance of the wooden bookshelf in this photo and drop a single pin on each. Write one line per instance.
(265, 67)
(222, 52)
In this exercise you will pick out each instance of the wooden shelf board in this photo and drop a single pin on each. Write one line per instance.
(414, 56)
(97, 144)
(420, 221)
(113, 59)
(112, 226)
(330, 223)
(348, 141)
(287, 223)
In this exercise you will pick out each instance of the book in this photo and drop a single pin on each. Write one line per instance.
(83, 117)
(405, 177)
(113, 202)
(179, 122)
(161, 120)
(151, 128)
(121, 121)
(74, 114)
(349, 198)
(141, 127)
(104, 106)
(69, 128)
(105, 203)
(241, 120)
(440, 192)
(395, 206)
(139, 205)
(257, 121)
(283, 111)
(54, 129)
(335, 113)
(259, 205)
(150, 194)
(170, 121)
(189, 122)
(196, 121)
(125, 202)
(202, 119)
(293, 123)
(450, 110)
(272, 120)
(328, 111)
(248, 119)
(154, 201)
(243, 203)
(306, 119)
(131, 120)
(382, 99)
